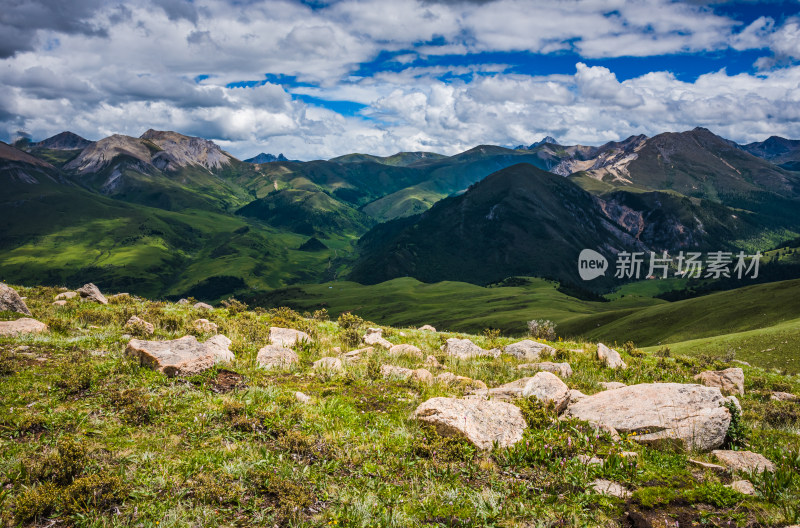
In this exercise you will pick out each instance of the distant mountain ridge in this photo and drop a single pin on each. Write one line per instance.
(266, 158)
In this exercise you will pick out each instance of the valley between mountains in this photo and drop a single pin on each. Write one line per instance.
(398, 239)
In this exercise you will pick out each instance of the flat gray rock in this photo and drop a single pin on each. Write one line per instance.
(178, 357)
(529, 350)
(465, 349)
(746, 461)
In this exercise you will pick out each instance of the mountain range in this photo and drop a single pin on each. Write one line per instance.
(168, 214)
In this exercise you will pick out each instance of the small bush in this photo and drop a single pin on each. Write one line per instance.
(215, 488)
(284, 317)
(537, 413)
(290, 496)
(491, 335)
(94, 492)
(429, 444)
(782, 413)
(350, 325)
(234, 306)
(737, 432)
(663, 352)
(713, 493)
(60, 466)
(75, 375)
(542, 329)
(35, 503)
(135, 406)
(320, 315)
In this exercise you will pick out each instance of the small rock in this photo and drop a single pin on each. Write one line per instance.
(371, 331)
(427, 328)
(391, 371)
(528, 349)
(745, 487)
(90, 292)
(481, 422)
(302, 398)
(277, 357)
(126, 336)
(204, 326)
(744, 461)
(376, 338)
(432, 362)
(544, 386)
(10, 301)
(177, 357)
(422, 375)
(562, 370)
(357, 355)
(611, 385)
(136, 325)
(59, 303)
(716, 468)
(336, 350)
(610, 357)
(730, 381)
(448, 378)
(465, 349)
(629, 454)
(183, 302)
(25, 325)
(66, 295)
(411, 350)
(740, 362)
(589, 460)
(575, 396)
(610, 431)
(783, 396)
(606, 487)
(286, 337)
(329, 363)
(119, 296)
(203, 306)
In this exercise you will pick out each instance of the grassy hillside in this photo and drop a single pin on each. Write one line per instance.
(90, 437)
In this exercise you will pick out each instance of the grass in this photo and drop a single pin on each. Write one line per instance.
(90, 438)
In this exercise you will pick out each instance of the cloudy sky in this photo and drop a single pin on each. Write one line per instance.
(314, 79)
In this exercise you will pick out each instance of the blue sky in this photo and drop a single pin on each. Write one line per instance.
(324, 78)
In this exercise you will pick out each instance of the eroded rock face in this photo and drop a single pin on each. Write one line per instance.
(610, 357)
(276, 357)
(10, 301)
(562, 370)
(178, 357)
(25, 325)
(691, 414)
(745, 461)
(729, 381)
(545, 386)
(529, 350)
(481, 422)
(90, 292)
(465, 349)
(286, 337)
(411, 350)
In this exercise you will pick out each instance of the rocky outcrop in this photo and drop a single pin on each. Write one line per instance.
(745, 461)
(729, 381)
(25, 325)
(90, 292)
(10, 301)
(276, 357)
(653, 412)
(562, 370)
(610, 357)
(286, 337)
(466, 349)
(481, 422)
(529, 350)
(178, 357)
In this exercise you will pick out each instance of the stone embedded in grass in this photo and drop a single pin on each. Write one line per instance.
(562, 370)
(204, 326)
(178, 357)
(357, 355)
(183, 302)
(374, 336)
(465, 349)
(10, 301)
(544, 386)
(90, 292)
(656, 412)
(329, 363)
(730, 381)
(745, 487)
(529, 350)
(203, 306)
(746, 461)
(404, 348)
(448, 378)
(277, 357)
(783, 396)
(607, 487)
(716, 468)
(432, 362)
(220, 346)
(426, 328)
(420, 375)
(482, 422)
(64, 296)
(286, 337)
(302, 398)
(25, 325)
(611, 385)
(138, 326)
(60, 303)
(610, 357)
